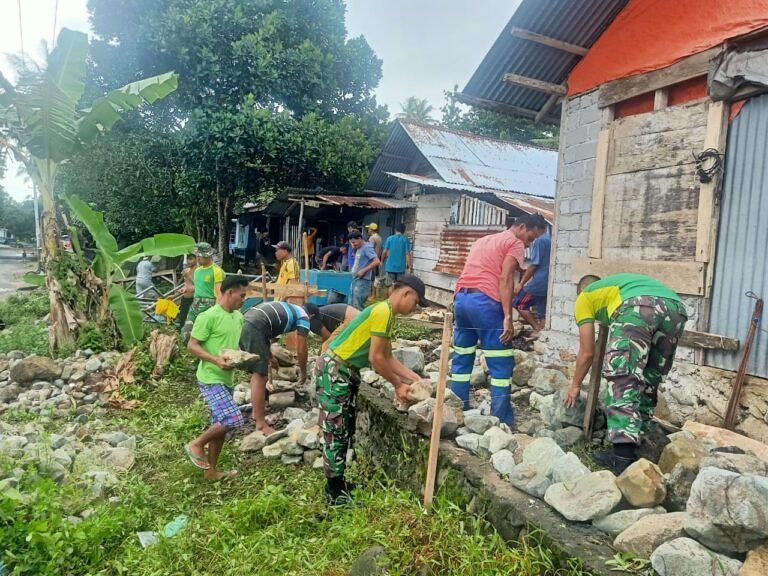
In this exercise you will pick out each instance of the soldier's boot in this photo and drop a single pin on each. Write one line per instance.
(338, 492)
(621, 457)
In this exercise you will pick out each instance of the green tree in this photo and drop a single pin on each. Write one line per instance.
(416, 109)
(41, 125)
(19, 218)
(487, 123)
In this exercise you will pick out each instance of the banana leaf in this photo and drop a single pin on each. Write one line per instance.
(128, 315)
(94, 221)
(158, 245)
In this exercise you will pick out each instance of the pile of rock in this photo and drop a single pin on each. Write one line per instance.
(284, 389)
(77, 452)
(299, 442)
(39, 384)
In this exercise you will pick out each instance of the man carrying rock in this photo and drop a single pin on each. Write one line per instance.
(645, 319)
(216, 329)
(483, 311)
(366, 341)
(264, 322)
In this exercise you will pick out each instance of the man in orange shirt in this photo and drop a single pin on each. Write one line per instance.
(483, 310)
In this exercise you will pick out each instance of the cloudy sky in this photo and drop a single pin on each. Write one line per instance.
(427, 45)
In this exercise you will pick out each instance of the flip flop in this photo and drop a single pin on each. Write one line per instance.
(228, 475)
(195, 460)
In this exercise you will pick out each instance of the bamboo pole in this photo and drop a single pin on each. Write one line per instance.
(594, 380)
(306, 266)
(263, 282)
(434, 441)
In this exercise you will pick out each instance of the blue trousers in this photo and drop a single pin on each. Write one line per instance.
(360, 289)
(480, 319)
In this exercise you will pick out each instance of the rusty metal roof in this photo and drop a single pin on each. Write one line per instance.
(366, 202)
(455, 242)
(463, 159)
(576, 22)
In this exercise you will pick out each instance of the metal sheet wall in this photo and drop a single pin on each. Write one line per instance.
(742, 249)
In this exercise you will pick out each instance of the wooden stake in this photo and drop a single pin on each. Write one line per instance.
(594, 380)
(263, 282)
(434, 442)
(306, 266)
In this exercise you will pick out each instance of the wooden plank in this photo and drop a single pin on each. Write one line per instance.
(717, 129)
(684, 277)
(595, 249)
(695, 339)
(609, 114)
(660, 99)
(547, 41)
(594, 380)
(535, 84)
(501, 108)
(625, 88)
(547, 108)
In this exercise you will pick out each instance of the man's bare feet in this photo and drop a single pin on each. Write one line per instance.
(533, 336)
(265, 429)
(216, 475)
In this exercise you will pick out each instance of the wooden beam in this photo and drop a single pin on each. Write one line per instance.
(502, 108)
(594, 380)
(625, 88)
(535, 84)
(548, 105)
(595, 246)
(683, 276)
(547, 41)
(717, 128)
(660, 99)
(695, 339)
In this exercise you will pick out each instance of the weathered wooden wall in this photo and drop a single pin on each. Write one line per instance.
(431, 216)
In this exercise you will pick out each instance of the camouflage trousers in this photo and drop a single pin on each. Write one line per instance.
(641, 348)
(336, 391)
(198, 306)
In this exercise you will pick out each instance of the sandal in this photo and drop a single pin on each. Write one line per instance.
(195, 460)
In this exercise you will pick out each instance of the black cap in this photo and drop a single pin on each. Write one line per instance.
(413, 282)
(353, 224)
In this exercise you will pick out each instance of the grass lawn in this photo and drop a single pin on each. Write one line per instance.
(271, 520)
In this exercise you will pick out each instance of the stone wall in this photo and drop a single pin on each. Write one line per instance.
(691, 391)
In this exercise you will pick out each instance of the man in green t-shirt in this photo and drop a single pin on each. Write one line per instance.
(207, 281)
(216, 329)
(365, 341)
(645, 319)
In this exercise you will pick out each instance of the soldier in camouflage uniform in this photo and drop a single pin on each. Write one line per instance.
(645, 320)
(365, 341)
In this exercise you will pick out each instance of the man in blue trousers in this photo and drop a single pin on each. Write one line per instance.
(483, 311)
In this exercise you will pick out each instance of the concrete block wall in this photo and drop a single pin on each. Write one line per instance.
(574, 192)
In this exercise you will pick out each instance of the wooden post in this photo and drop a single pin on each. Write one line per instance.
(263, 282)
(306, 265)
(594, 381)
(434, 442)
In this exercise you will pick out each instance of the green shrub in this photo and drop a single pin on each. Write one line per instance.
(412, 331)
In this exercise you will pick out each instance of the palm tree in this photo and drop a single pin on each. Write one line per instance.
(42, 127)
(416, 109)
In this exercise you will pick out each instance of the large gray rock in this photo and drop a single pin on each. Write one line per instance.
(553, 411)
(113, 438)
(686, 557)
(726, 510)
(294, 413)
(678, 484)
(614, 524)
(254, 442)
(642, 484)
(411, 357)
(479, 423)
(568, 437)
(503, 461)
(739, 463)
(469, 442)
(119, 458)
(372, 562)
(33, 368)
(650, 532)
(282, 400)
(547, 381)
(524, 368)
(530, 480)
(9, 393)
(567, 468)
(589, 497)
(683, 450)
(422, 414)
(495, 439)
(275, 449)
(479, 378)
(542, 453)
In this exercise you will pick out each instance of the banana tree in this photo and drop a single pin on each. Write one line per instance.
(109, 260)
(41, 125)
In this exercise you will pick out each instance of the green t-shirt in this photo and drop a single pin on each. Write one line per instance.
(216, 329)
(206, 277)
(600, 299)
(353, 343)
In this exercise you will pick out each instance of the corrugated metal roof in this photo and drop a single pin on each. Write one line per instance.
(464, 159)
(366, 202)
(579, 23)
(455, 243)
(526, 203)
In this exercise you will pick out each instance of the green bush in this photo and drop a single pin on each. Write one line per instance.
(24, 327)
(24, 307)
(411, 331)
(94, 338)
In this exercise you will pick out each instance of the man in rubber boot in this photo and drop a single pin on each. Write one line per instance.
(645, 320)
(483, 311)
(366, 341)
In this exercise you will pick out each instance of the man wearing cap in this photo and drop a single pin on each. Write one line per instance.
(331, 319)
(264, 322)
(483, 311)
(330, 256)
(207, 279)
(374, 238)
(362, 270)
(289, 267)
(365, 341)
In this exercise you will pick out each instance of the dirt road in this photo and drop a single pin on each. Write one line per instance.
(11, 270)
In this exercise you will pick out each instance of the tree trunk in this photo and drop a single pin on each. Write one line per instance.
(63, 321)
(222, 209)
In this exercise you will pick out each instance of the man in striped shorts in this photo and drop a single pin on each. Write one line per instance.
(264, 322)
(483, 311)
